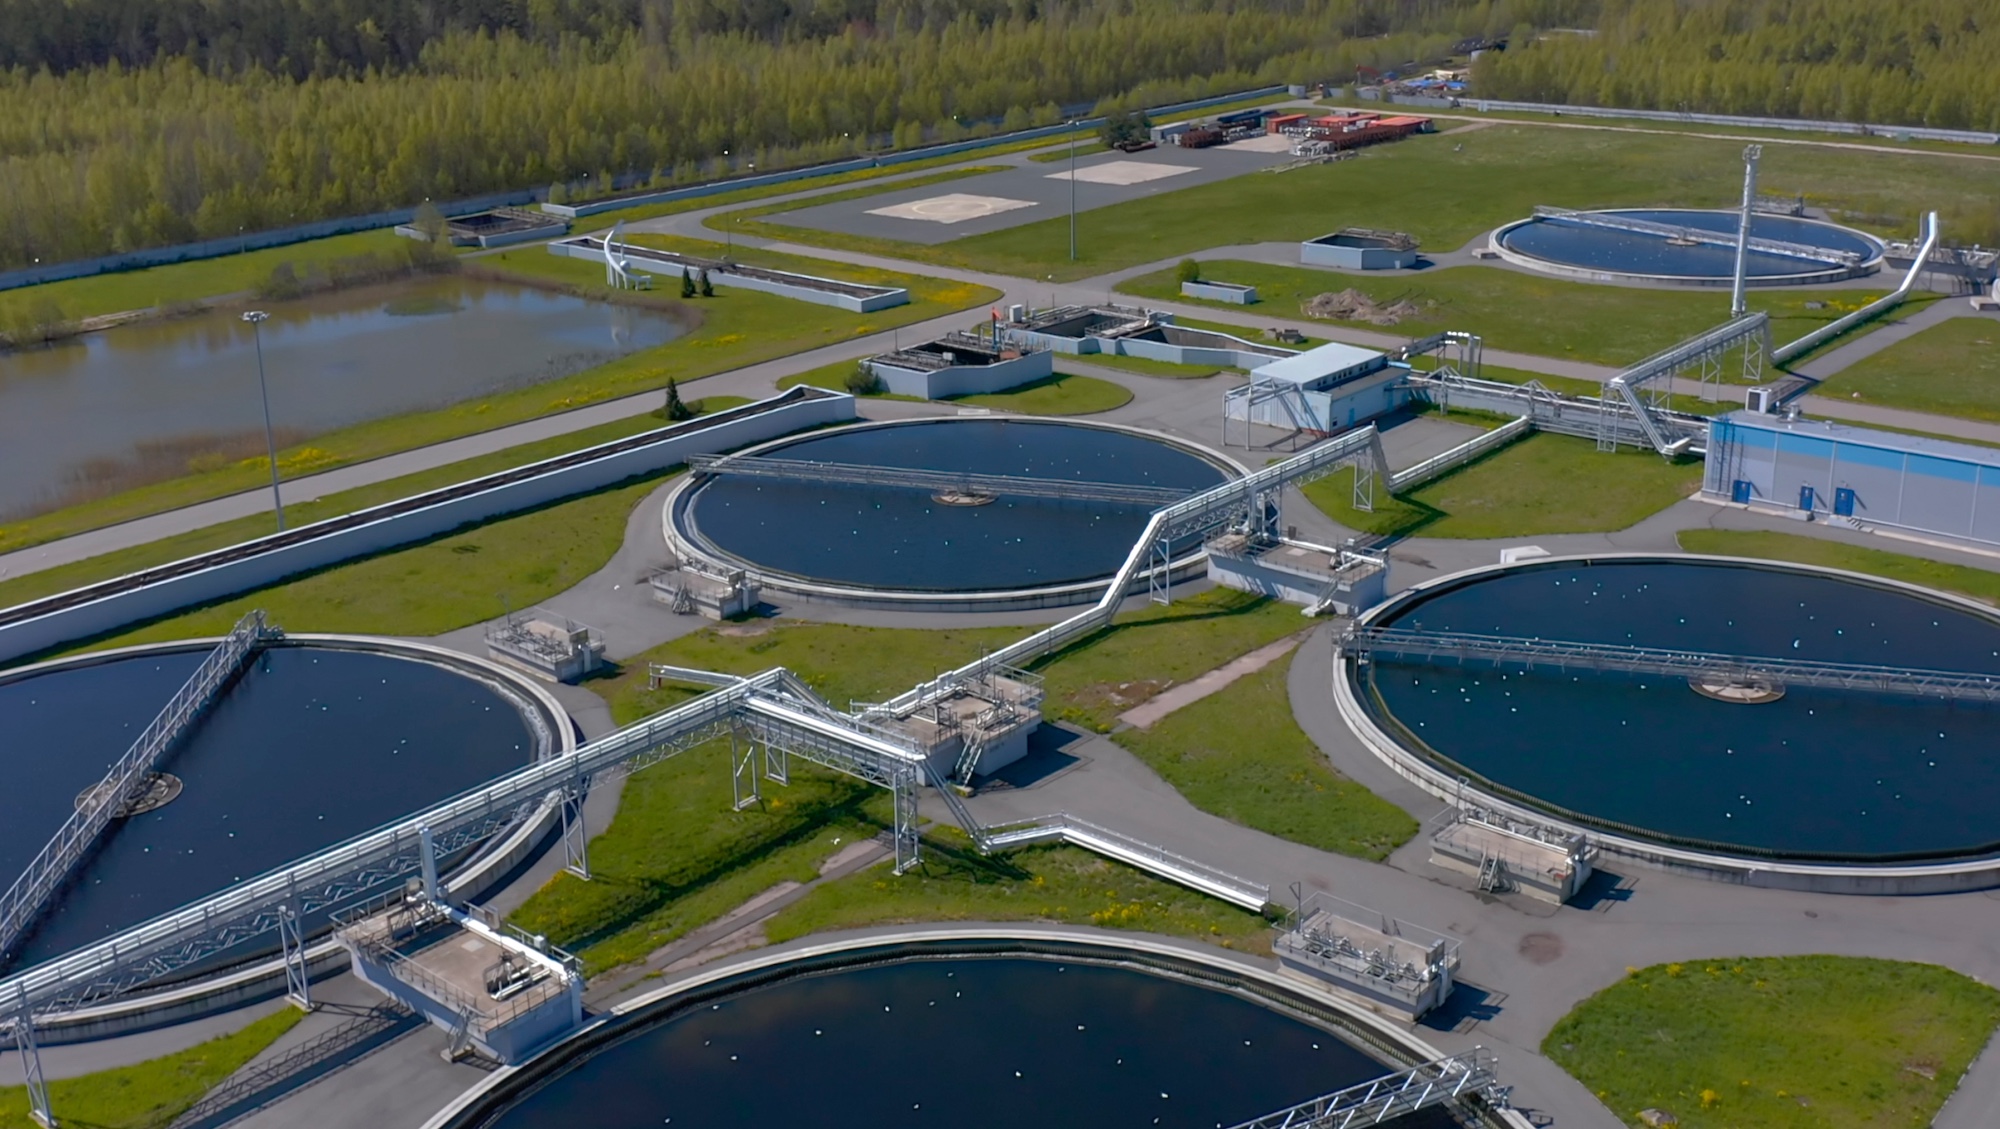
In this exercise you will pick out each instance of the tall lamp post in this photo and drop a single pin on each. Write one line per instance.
(1072, 194)
(257, 318)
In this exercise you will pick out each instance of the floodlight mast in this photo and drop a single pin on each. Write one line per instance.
(257, 318)
(1751, 155)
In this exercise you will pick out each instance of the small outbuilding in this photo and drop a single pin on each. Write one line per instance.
(1360, 248)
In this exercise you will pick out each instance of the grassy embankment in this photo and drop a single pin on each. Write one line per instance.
(150, 1094)
(1950, 369)
(736, 328)
(304, 511)
(647, 894)
(1240, 755)
(1418, 186)
(1544, 483)
(451, 581)
(1799, 1042)
(1526, 313)
(1061, 395)
(1976, 583)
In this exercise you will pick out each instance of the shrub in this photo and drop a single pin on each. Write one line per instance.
(1189, 271)
(863, 381)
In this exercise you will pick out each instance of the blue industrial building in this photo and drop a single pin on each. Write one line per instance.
(1821, 469)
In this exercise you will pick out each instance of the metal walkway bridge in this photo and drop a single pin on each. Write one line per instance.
(801, 470)
(126, 782)
(1588, 417)
(1676, 231)
(1751, 332)
(776, 714)
(1521, 653)
(1454, 1078)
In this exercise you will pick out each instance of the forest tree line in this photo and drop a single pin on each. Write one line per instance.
(116, 158)
(127, 124)
(1912, 62)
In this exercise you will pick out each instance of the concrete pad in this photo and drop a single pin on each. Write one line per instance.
(1268, 143)
(1123, 173)
(953, 207)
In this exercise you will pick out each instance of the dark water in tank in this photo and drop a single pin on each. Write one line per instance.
(1631, 252)
(311, 746)
(979, 1042)
(1817, 773)
(896, 538)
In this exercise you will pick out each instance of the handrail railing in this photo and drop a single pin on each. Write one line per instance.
(1453, 1078)
(917, 478)
(1565, 655)
(24, 901)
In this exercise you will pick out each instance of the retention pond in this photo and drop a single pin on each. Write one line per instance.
(152, 400)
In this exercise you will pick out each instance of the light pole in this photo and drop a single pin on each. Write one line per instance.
(256, 318)
(1072, 194)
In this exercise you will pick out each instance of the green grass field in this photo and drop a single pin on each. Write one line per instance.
(150, 1094)
(1240, 755)
(1950, 369)
(1058, 884)
(737, 328)
(1541, 484)
(1807, 1042)
(1527, 313)
(1064, 394)
(1419, 186)
(191, 282)
(1976, 583)
(432, 587)
(676, 856)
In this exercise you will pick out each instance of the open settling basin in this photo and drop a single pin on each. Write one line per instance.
(914, 548)
(1048, 1034)
(1820, 788)
(1558, 245)
(319, 739)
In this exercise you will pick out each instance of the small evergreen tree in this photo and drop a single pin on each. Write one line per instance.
(687, 284)
(707, 288)
(863, 381)
(1189, 271)
(677, 409)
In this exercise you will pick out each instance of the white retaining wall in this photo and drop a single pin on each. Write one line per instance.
(258, 569)
(663, 266)
(965, 380)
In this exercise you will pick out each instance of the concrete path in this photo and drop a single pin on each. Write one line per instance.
(1144, 715)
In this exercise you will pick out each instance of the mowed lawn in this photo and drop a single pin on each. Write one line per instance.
(1805, 1042)
(1240, 754)
(1544, 483)
(1950, 369)
(1448, 189)
(1523, 312)
(1976, 583)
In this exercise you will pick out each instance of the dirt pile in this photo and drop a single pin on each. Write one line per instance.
(1353, 305)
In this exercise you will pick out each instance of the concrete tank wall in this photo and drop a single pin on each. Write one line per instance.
(255, 570)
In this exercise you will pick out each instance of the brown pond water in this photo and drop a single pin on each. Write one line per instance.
(143, 402)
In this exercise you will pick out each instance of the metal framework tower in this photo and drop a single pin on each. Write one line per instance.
(31, 1062)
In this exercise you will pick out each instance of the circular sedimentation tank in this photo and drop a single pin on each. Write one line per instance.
(1560, 245)
(316, 741)
(940, 548)
(1019, 1039)
(1749, 779)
